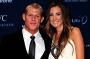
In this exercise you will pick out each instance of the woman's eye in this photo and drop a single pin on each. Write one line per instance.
(57, 14)
(50, 15)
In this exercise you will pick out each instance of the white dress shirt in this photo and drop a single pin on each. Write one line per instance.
(40, 46)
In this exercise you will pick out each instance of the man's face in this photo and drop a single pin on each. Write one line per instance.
(32, 19)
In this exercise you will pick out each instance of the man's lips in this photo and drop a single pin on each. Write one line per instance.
(32, 23)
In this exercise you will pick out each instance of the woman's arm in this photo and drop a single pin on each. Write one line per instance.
(79, 43)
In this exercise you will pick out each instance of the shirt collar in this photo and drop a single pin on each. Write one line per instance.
(27, 34)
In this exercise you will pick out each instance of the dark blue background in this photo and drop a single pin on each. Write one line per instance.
(11, 16)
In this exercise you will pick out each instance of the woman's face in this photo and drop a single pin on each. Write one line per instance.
(56, 17)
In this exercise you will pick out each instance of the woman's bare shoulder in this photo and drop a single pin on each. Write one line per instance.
(76, 33)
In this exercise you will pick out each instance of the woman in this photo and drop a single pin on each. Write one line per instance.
(67, 41)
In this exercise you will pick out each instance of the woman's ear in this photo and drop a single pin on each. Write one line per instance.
(23, 16)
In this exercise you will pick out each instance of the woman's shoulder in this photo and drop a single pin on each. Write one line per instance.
(75, 32)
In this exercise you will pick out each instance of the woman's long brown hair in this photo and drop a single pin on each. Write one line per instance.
(66, 24)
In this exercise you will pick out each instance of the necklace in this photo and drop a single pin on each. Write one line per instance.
(55, 51)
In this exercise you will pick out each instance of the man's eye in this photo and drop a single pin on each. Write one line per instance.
(29, 15)
(38, 16)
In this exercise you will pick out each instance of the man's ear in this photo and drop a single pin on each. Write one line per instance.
(23, 16)
(42, 19)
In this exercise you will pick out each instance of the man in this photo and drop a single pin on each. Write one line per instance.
(16, 45)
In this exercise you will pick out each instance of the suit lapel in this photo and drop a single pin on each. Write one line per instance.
(20, 41)
(47, 41)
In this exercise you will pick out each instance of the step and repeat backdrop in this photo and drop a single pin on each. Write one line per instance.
(11, 16)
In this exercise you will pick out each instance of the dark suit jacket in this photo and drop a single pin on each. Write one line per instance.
(12, 46)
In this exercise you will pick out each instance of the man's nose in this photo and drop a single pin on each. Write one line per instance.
(33, 18)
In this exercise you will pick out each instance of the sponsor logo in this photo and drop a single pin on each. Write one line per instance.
(75, 0)
(3, 21)
(5, 1)
(81, 19)
(88, 45)
(2, 18)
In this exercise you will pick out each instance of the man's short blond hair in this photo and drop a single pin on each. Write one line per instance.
(34, 5)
